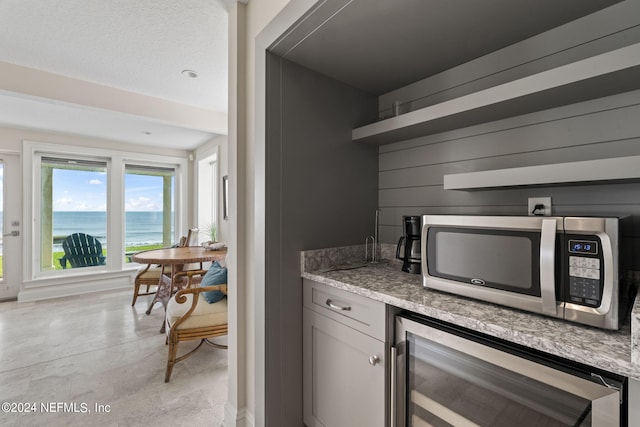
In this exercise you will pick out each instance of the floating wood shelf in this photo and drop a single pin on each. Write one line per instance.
(606, 74)
(620, 168)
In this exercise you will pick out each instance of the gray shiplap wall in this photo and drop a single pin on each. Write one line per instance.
(411, 172)
(410, 179)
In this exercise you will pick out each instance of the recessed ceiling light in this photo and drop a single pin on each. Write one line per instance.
(190, 73)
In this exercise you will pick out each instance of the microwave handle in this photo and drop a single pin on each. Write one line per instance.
(547, 266)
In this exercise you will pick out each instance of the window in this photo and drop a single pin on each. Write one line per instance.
(207, 197)
(73, 199)
(126, 201)
(149, 206)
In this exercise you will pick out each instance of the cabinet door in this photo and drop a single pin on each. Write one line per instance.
(342, 386)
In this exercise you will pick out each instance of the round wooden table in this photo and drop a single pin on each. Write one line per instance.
(174, 257)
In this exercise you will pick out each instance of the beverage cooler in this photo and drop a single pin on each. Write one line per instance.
(443, 375)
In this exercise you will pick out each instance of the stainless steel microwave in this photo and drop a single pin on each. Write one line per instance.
(574, 268)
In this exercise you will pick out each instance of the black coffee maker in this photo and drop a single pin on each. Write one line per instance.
(409, 244)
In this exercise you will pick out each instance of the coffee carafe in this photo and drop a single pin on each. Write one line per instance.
(409, 244)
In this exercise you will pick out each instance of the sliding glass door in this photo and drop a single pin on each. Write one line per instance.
(10, 226)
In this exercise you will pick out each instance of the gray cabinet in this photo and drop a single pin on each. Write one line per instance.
(344, 358)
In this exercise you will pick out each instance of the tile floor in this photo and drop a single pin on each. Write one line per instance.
(81, 356)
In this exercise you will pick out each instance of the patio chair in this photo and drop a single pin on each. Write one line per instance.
(81, 250)
(147, 276)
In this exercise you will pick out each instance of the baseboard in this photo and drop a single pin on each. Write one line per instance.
(76, 288)
(237, 418)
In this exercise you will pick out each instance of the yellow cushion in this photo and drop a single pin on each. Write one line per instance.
(204, 315)
(152, 273)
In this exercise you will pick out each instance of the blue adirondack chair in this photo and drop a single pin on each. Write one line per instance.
(81, 250)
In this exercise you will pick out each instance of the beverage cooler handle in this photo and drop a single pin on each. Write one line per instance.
(547, 266)
(393, 409)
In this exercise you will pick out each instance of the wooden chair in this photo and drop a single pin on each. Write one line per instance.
(147, 276)
(81, 250)
(190, 317)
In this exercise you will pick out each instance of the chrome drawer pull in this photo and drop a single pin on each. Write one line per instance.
(338, 307)
(374, 360)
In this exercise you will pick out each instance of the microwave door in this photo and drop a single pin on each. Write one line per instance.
(505, 260)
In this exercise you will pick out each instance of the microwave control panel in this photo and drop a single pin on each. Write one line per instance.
(585, 270)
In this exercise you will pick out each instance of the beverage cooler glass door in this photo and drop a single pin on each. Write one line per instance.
(447, 380)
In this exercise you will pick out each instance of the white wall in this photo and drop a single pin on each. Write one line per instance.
(11, 140)
(61, 89)
(218, 146)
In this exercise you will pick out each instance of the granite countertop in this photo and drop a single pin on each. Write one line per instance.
(608, 350)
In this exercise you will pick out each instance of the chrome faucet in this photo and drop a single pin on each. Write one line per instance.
(375, 243)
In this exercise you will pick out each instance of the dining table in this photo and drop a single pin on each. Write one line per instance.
(175, 259)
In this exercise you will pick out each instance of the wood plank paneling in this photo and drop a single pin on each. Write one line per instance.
(606, 30)
(433, 174)
(411, 172)
(587, 128)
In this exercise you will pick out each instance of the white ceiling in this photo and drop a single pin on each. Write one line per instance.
(138, 46)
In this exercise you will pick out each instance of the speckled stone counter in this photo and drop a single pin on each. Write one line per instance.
(385, 282)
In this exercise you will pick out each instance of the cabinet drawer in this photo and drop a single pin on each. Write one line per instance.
(355, 311)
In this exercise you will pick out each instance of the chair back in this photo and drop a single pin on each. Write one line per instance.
(192, 237)
(81, 250)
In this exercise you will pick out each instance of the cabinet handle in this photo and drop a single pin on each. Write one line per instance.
(338, 307)
(374, 360)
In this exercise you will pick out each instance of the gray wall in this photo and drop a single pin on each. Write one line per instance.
(411, 172)
(321, 192)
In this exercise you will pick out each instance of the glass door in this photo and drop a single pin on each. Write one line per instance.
(10, 214)
(450, 380)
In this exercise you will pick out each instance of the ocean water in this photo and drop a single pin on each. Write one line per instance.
(142, 228)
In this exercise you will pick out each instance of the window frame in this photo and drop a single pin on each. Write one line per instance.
(208, 180)
(116, 162)
(37, 221)
(150, 166)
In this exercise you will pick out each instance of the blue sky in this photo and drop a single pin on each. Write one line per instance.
(75, 190)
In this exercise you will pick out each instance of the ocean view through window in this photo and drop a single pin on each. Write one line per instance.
(75, 218)
(107, 201)
(77, 185)
(143, 228)
(149, 204)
